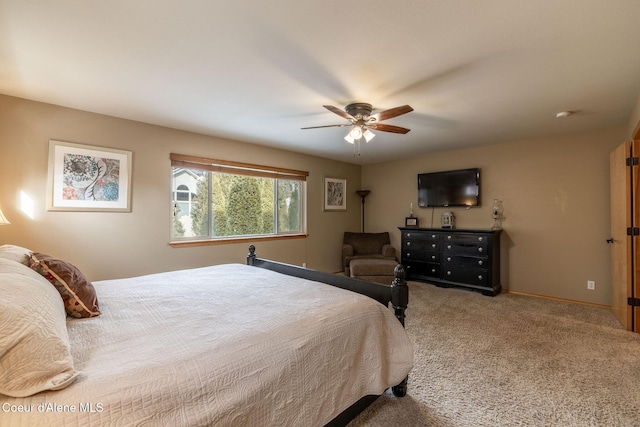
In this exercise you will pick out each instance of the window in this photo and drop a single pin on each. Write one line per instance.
(216, 199)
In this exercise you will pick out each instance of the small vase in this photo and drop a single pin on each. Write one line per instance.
(497, 211)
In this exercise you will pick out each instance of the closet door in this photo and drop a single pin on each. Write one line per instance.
(625, 230)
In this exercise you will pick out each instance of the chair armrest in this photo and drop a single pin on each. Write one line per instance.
(347, 254)
(388, 251)
(347, 250)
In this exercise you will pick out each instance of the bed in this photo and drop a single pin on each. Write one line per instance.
(261, 343)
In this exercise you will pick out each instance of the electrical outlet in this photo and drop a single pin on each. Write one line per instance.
(591, 285)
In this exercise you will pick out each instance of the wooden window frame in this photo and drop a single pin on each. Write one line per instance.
(238, 168)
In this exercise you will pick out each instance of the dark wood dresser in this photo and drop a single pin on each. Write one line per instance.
(453, 257)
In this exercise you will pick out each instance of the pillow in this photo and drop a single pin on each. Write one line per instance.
(78, 294)
(34, 345)
(15, 253)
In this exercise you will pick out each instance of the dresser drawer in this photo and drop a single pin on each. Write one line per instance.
(416, 236)
(423, 269)
(465, 238)
(465, 247)
(472, 276)
(455, 261)
(420, 255)
(431, 245)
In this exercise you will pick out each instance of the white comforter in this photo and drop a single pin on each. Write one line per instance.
(227, 345)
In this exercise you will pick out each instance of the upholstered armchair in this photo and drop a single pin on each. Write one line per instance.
(370, 246)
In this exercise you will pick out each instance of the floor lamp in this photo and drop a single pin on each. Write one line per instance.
(363, 194)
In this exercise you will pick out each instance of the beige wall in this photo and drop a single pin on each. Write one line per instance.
(555, 194)
(556, 200)
(112, 245)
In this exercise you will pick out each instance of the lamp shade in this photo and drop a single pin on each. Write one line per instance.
(356, 132)
(349, 139)
(368, 135)
(3, 219)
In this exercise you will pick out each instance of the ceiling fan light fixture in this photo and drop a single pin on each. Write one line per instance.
(368, 135)
(362, 121)
(349, 138)
(356, 132)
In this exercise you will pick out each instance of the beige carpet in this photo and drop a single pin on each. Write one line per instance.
(512, 361)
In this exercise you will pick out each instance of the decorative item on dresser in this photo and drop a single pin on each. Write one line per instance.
(497, 213)
(411, 220)
(448, 220)
(467, 258)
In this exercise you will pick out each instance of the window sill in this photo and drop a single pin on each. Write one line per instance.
(225, 241)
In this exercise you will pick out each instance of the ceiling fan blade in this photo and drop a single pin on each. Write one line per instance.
(339, 112)
(392, 112)
(327, 126)
(389, 128)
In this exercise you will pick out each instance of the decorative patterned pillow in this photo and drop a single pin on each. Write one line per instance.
(15, 253)
(78, 294)
(35, 353)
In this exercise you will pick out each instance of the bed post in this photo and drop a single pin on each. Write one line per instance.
(399, 293)
(251, 256)
(399, 301)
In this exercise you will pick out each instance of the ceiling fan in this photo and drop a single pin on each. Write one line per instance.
(363, 122)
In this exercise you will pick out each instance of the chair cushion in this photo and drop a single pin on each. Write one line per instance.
(372, 267)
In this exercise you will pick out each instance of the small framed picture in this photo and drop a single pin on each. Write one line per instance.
(88, 178)
(335, 194)
(411, 221)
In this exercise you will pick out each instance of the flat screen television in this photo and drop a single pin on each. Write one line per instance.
(449, 188)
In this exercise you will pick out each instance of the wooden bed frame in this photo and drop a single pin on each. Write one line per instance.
(397, 294)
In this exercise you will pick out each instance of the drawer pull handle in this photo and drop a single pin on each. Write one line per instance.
(433, 257)
(408, 254)
(448, 258)
(433, 245)
(449, 237)
(448, 246)
(408, 243)
(479, 249)
(449, 273)
(480, 262)
(480, 277)
(433, 270)
(480, 239)
(433, 236)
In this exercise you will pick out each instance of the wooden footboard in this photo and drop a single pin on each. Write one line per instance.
(397, 294)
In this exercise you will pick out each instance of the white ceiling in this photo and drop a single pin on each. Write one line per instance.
(475, 72)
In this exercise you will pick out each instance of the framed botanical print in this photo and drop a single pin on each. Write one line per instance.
(335, 194)
(88, 178)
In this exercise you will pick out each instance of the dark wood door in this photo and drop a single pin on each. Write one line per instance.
(625, 245)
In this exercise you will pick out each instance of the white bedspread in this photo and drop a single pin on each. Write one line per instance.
(227, 345)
